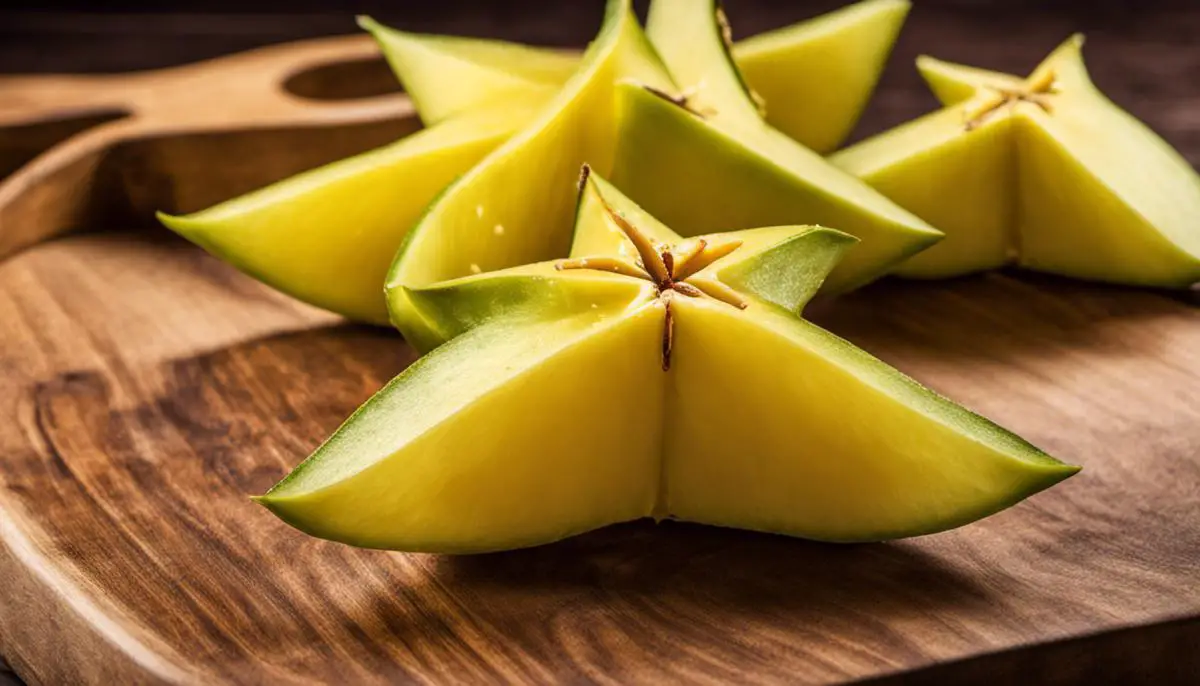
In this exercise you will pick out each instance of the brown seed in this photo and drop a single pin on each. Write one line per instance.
(719, 291)
(603, 264)
(645, 247)
(668, 333)
(709, 254)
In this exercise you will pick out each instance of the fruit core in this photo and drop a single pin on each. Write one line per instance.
(1038, 91)
(672, 269)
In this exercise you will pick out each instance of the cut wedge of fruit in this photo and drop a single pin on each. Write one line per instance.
(327, 236)
(447, 76)
(1043, 172)
(815, 76)
(709, 162)
(682, 383)
(515, 206)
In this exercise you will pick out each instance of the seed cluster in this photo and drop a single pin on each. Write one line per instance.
(671, 269)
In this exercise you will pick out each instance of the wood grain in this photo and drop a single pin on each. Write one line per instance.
(152, 389)
(183, 138)
(146, 389)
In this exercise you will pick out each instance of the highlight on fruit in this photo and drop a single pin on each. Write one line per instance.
(631, 345)
(647, 375)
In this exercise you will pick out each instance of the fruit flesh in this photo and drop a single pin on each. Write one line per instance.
(714, 164)
(1090, 192)
(697, 177)
(456, 455)
(327, 236)
(791, 67)
(749, 411)
(448, 76)
(980, 167)
(952, 83)
(515, 206)
(481, 468)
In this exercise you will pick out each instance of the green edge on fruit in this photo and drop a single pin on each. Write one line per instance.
(515, 206)
(739, 429)
(327, 236)
(1043, 172)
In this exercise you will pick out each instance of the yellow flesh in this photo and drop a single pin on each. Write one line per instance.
(447, 76)
(1083, 190)
(513, 452)
(817, 76)
(548, 413)
(792, 68)
(327, 236)
(700, 179)
(915, 166)
(953, 83)
(756, 438)
(515, 206)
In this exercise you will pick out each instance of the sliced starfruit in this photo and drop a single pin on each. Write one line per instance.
(682, 383)
(1043, 172)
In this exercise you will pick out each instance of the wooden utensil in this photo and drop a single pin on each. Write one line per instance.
(183, 138)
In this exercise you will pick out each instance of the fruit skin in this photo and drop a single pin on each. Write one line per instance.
(515, 207)
(1076, 187)
(790, 67)
(763, 421)
(326, 236)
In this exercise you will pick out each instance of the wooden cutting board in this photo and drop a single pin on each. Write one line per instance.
(146, 389)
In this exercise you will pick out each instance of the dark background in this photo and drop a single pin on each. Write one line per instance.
(1144, 54)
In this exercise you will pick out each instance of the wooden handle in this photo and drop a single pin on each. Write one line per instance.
(32, 99)
(239, 100)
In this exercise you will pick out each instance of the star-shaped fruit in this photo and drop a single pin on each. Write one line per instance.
(1043, 172)
(790, 68)
(693, 149)
(328, 236)
(648, 375)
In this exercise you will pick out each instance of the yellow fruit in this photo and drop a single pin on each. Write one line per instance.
(515, 206)
(651, 376)
(327, 236)
(1043, 172)
(815, 76)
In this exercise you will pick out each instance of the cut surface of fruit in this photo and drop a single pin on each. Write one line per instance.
(447, 76)
(711, 163)
(817, 76)
(327, 236)
(515, 206)
(679, 381)
(458, 454)
(887, 459)
(792, 68)
(1043, 172)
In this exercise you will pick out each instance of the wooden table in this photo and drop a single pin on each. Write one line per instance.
(1145, 59)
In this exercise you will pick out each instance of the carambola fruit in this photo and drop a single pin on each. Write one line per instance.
(1043, 172)
(815, 76)
(648, 375)
(693, 149)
